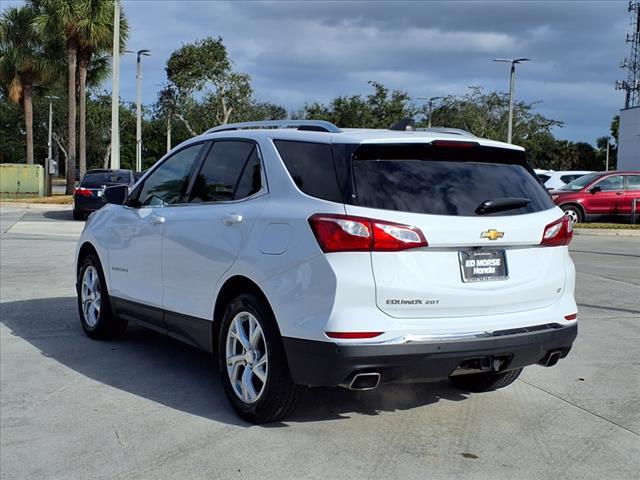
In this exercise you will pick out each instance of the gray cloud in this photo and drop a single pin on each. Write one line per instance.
(303, 51)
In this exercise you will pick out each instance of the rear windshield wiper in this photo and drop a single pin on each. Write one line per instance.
(500, 204)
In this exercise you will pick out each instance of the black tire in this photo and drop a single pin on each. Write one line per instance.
(280, 395)
(574, 212)
(107, 325)
(77, 215)
(485, 382)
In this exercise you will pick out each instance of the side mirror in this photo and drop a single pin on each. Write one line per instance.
(594, 190)
(116, 194)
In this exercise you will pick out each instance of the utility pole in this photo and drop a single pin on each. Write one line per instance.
(115, 91)
(139, 109)
(430, 101)
(48, 162)
(607, 161)
(511, 90)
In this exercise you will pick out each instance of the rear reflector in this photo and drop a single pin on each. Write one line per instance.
(83, 192)
(352, 335)
(573, 316)
(558, 233)
(344, 233)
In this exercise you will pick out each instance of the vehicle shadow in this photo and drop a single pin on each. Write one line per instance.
(58, 214)
(168, 372)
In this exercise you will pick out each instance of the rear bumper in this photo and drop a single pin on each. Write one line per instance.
(317, 363)
(87, 205)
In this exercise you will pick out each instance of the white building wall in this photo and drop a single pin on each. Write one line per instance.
(629, 139)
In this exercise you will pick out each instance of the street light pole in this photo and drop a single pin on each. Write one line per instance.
(607, 160)
(511, 90)
(139, 109)
(430, 107)
(115, 91)
(168, 133)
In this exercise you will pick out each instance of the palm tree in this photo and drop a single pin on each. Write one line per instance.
(95, 38)
(59, 19)
(85, 26)
(24, 62)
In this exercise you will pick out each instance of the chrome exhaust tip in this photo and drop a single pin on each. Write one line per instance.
(363, 381)
(550, 359)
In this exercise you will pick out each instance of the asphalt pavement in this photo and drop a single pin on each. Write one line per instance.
(150, 407)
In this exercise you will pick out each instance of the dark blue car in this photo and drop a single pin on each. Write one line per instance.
(87, 197)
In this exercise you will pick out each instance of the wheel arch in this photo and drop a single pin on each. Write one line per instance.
(231, 288)
(577, 205)
(85, 249)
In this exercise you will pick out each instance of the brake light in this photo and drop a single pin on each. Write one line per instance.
(353, 335)
(558, 233)
(572, 316)
(345, 233)
(454, 144)
(83, 192)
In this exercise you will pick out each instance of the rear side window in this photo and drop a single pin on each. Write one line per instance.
(311, 168)
(569, 178)
(445, 183)
(231, 171)
(633, 182)
(544, 178)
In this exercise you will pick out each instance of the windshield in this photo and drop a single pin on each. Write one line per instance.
(580, 182)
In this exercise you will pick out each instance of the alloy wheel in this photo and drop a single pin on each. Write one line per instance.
(90, 296)
(246, 357)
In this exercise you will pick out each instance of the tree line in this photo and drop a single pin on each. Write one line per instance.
(62, 48)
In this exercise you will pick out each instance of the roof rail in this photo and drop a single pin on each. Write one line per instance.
(452, 131)
(310, 125)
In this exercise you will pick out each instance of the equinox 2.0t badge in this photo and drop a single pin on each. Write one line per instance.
(492, 234)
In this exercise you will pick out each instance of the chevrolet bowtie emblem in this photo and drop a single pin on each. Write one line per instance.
(492, 234)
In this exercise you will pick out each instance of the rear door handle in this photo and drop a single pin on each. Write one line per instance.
(232, 218)
(157, 220)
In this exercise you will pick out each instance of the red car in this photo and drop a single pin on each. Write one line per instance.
(599, 195)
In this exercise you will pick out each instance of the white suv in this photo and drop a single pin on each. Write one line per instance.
(304, 255)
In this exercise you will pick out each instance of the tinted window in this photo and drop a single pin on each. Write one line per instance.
(633, 182)
(543, 178)
(580, 182)
(251, 179)
(444, 187)
(569, 178)
(97, 179)
(167, 183)
(311, 168)
(220, 174)
(611, 183)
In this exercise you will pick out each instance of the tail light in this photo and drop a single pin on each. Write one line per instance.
(83, 192)
(344, 233)
(572, 316)
(558, 233)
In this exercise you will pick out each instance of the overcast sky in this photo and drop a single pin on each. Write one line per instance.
(298, 52)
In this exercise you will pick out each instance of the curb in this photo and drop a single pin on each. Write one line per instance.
(607, 232)
(27, 206)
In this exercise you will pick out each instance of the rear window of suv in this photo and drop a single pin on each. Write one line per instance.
(444, 181)
(97, 179)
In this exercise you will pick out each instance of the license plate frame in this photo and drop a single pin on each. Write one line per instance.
(493, 261)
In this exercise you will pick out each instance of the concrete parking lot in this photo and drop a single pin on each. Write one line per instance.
(150, 407)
